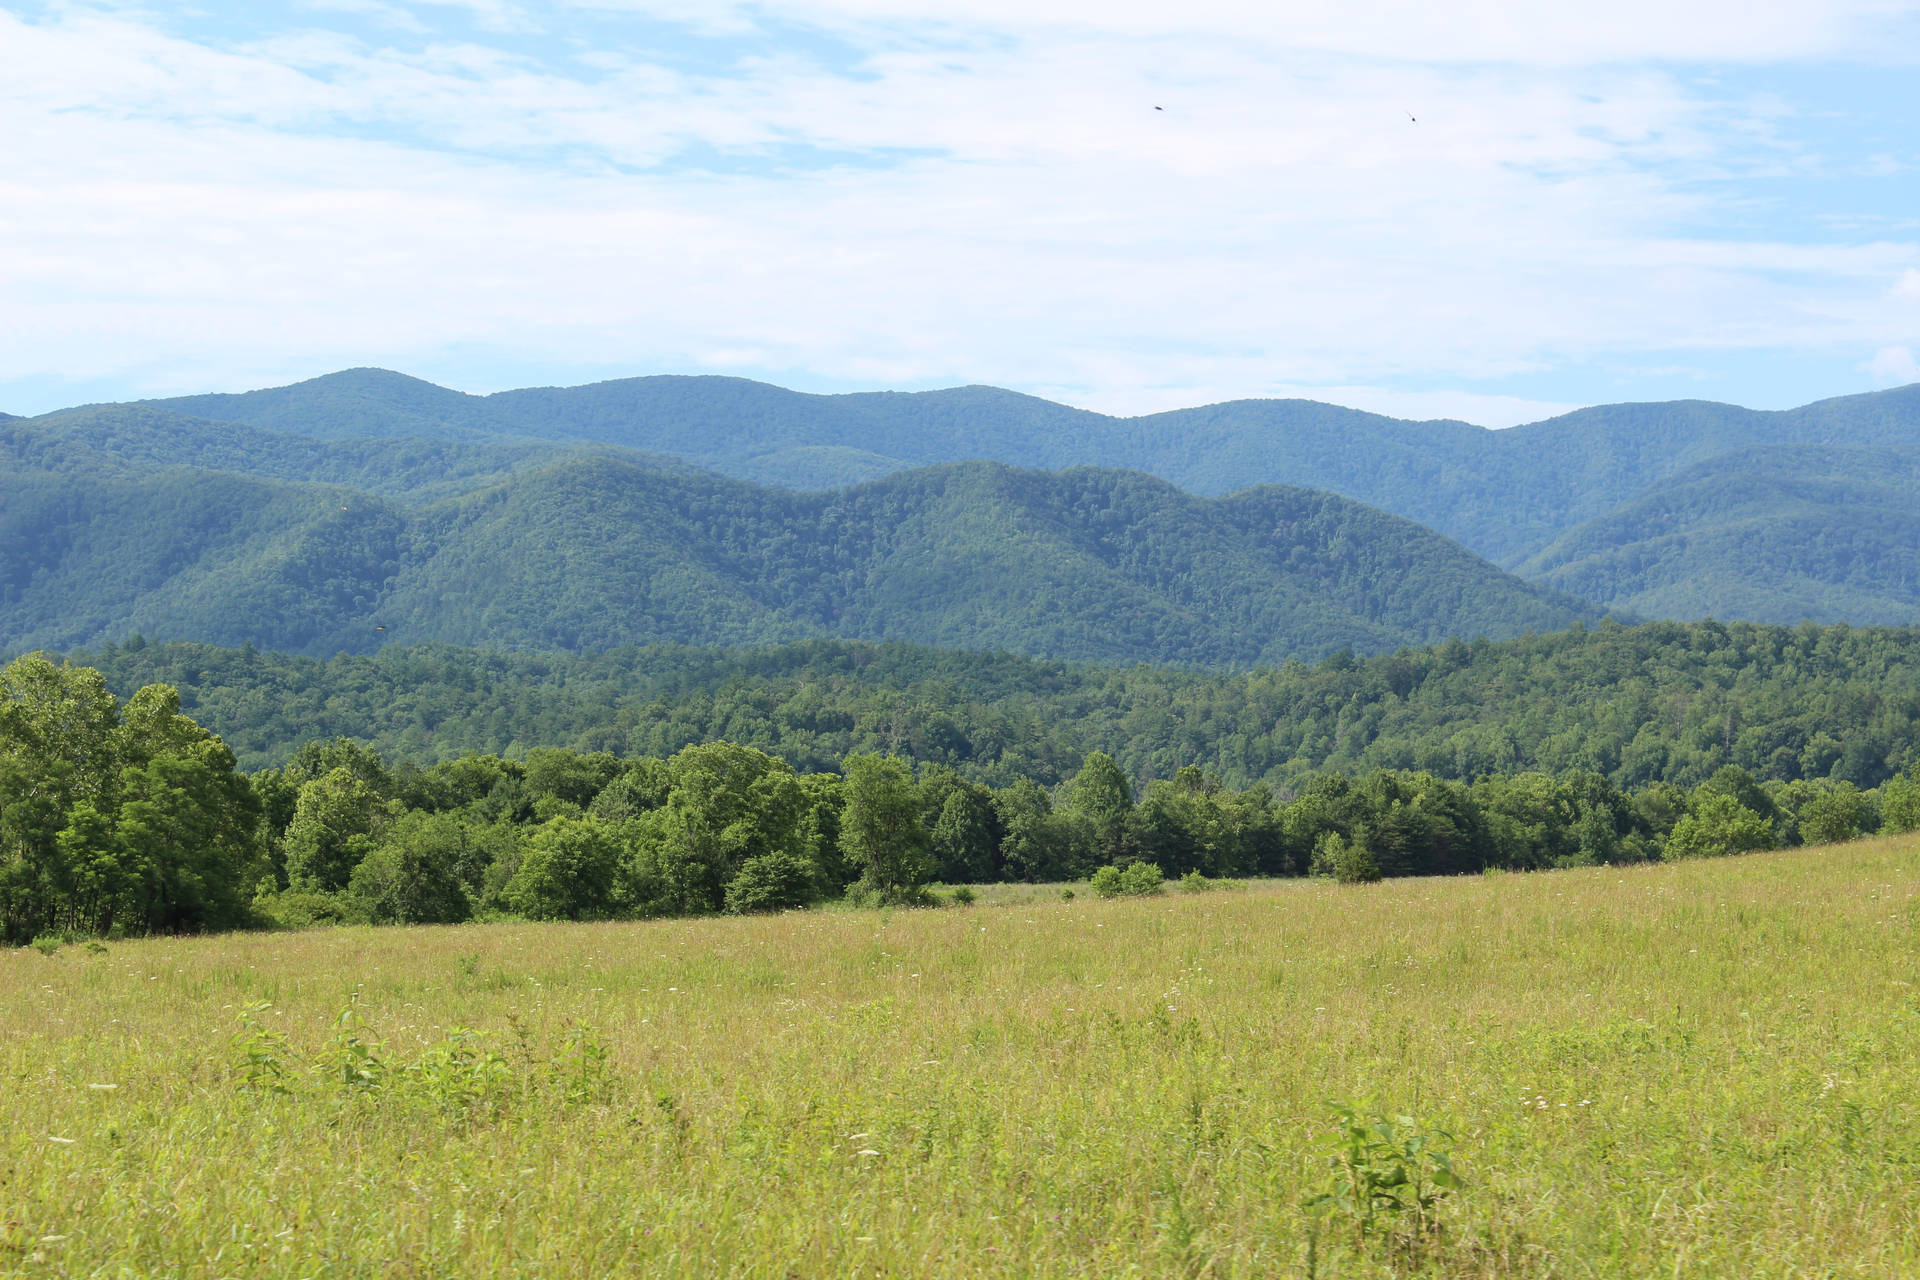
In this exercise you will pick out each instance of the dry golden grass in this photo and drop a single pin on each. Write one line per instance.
(1705, 1070)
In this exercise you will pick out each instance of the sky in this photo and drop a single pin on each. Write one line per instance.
(1492, 210)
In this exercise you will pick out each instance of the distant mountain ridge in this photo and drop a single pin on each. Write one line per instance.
(1651, 509)
(1508, 495)
(593, 552)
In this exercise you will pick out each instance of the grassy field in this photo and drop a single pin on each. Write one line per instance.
(1700, 1070)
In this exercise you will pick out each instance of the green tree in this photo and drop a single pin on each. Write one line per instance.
(1716, 826)
(726, 805)
(1836, 813)
(774, 881)
(190, 826)
(962, 840)
(1033, 846)
(880, 828)
(1098, 801)
(569, 777)
(114, 817)
(419, 872)
(333, 827)
(568, 871)
(1900, 802)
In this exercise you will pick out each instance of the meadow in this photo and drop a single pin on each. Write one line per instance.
(1696, 1069)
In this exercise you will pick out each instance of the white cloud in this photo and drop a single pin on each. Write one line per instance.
(1474, 31)
(1280, 228)
(1908, 285)
(1894, 366)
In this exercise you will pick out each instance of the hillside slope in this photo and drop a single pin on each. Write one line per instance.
(594, 552)
(1778, 533)
(1506, 495)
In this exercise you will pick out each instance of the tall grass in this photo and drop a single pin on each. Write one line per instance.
(1705, 1069)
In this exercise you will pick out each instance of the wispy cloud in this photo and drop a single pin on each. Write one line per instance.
(1126, 206)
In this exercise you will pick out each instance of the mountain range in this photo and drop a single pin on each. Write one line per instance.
(367, 506)
(1560, 501)
(591, 552)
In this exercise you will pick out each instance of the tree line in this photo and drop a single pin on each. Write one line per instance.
(1660, 702)
(132, 818)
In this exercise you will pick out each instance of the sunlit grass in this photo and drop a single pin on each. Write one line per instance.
(1705, 1069)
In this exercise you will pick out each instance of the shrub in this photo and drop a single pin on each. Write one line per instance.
(1834, 815)
(409, 882)
(773, 881)
(1136, 880)
(300, 909)
(864, 893)
(1900, 802)
(1347, 863)
(1194, 882)
(1717, 826)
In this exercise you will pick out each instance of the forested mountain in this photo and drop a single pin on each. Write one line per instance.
(1822, 531)
(1510, 496)
(1662, 702)
(594, 552)
(136, 441)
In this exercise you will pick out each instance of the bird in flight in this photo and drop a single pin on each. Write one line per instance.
(1159, 108)
(1412, 117)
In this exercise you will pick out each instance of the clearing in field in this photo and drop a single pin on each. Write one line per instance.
(1704, 1069)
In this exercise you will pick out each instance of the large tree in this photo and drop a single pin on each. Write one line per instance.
(881, 830)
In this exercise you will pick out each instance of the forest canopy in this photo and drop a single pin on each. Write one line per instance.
(1661, 702)
(132, 818)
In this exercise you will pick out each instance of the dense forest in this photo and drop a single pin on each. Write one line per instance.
(1659, 702)
(590, 553)
(1565, 501)
(132, 818)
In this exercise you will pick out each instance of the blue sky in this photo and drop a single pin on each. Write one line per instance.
(1628, 201)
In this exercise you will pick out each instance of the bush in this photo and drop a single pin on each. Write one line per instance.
(1718, 825)
(1136, 880)
(774, 881)
(864, 893)
(961, 897)
(1900, 803)
(301, 909)
(1194, 882)
(1347, 863)
(1835, 815)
